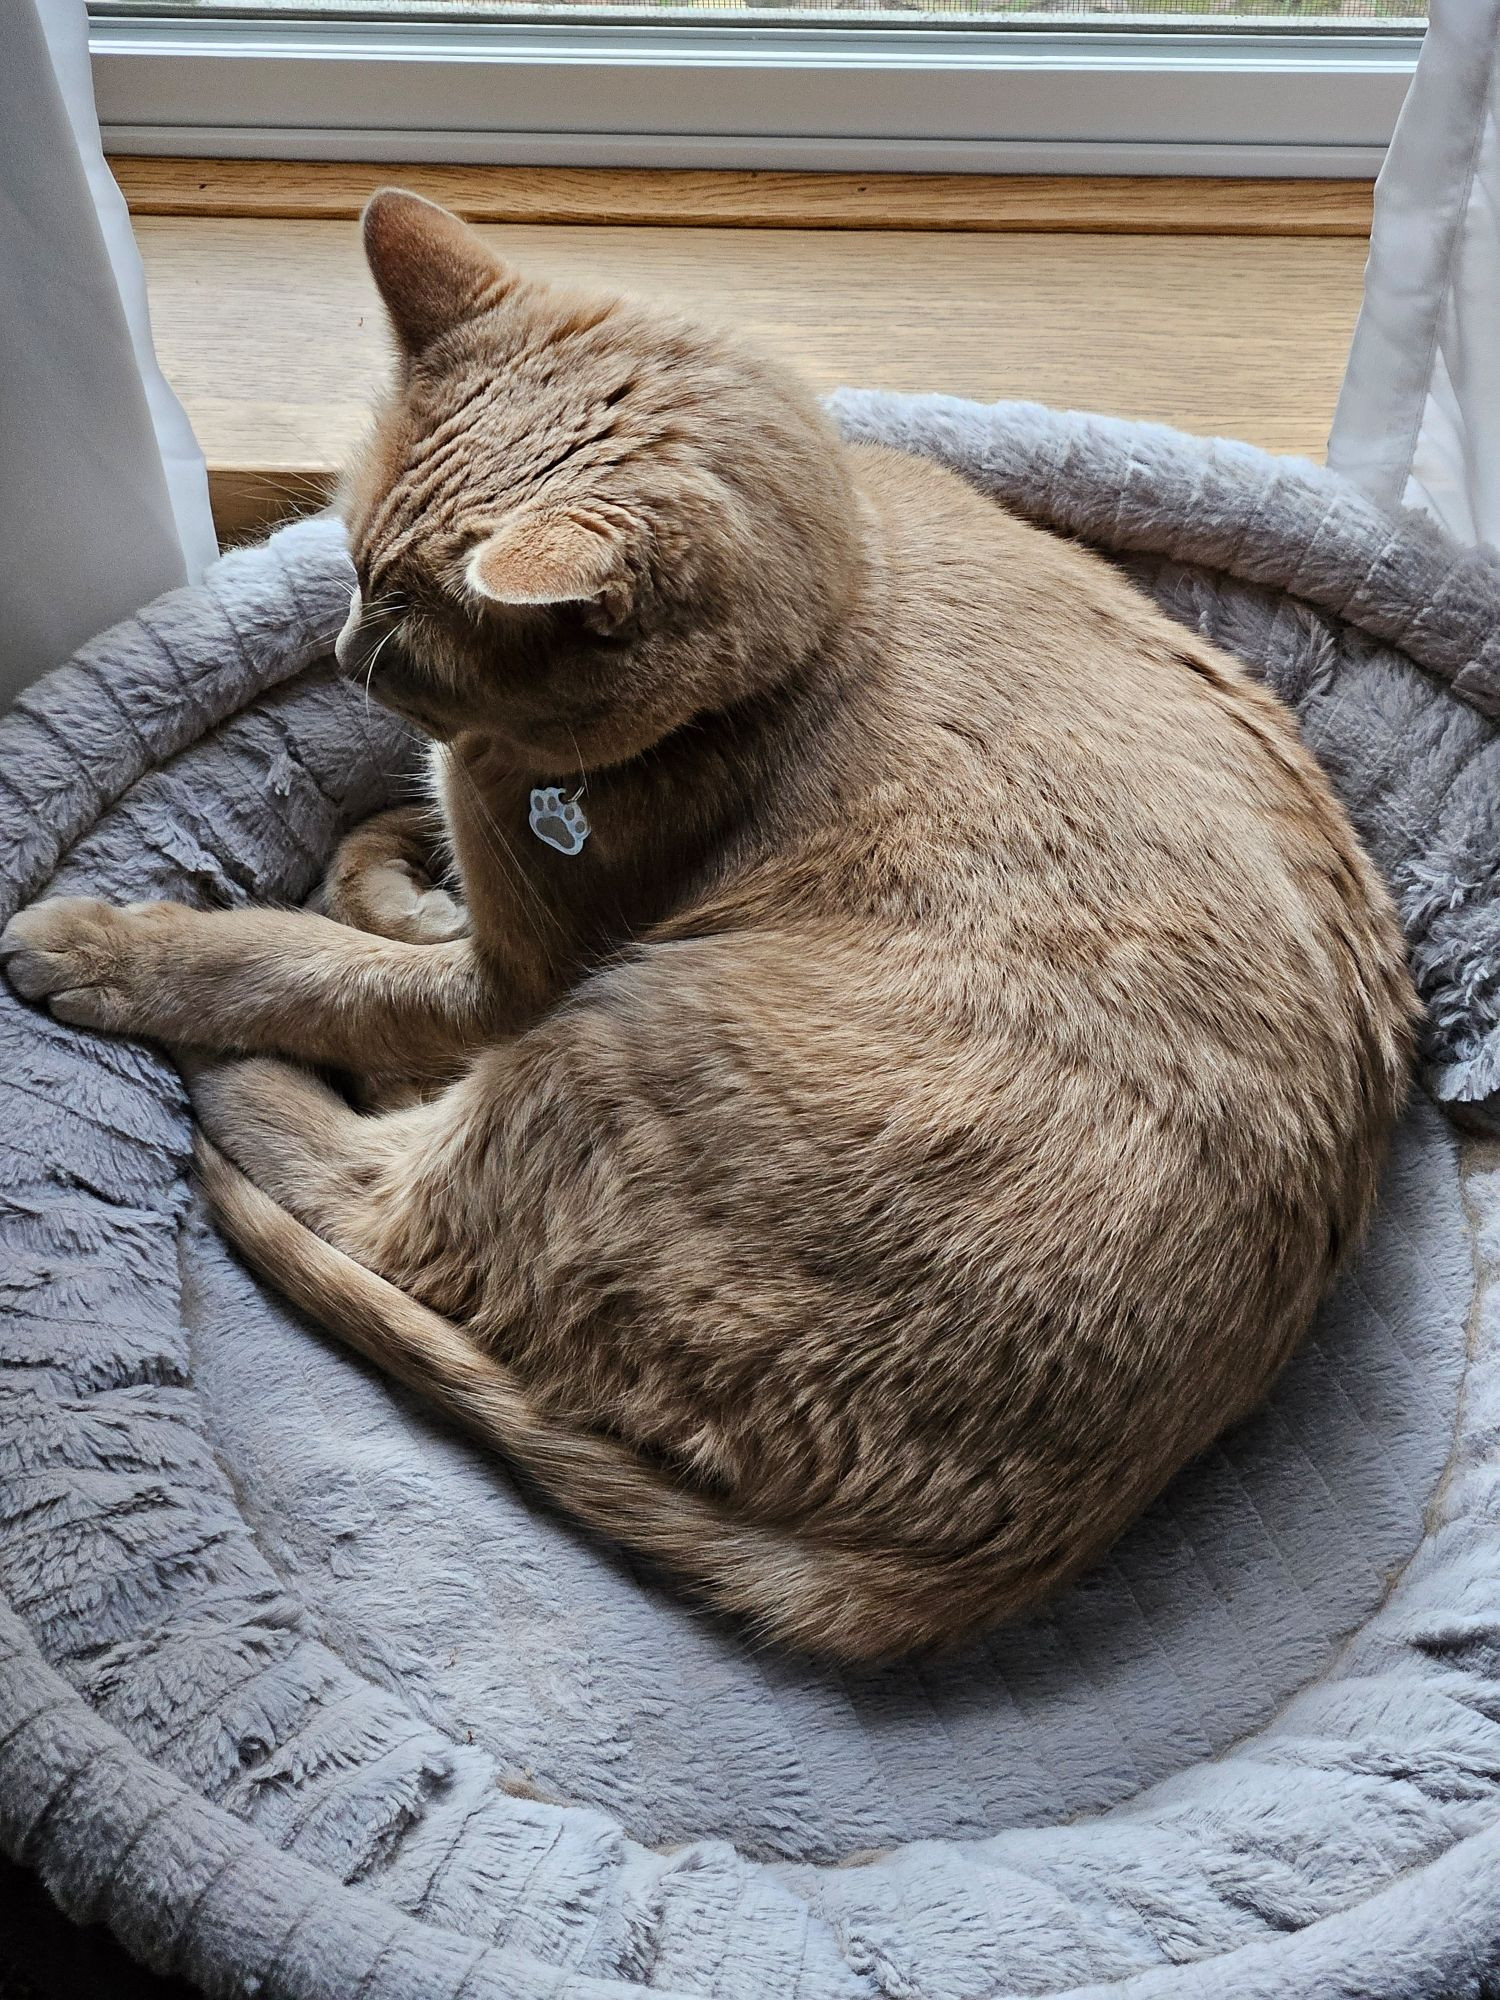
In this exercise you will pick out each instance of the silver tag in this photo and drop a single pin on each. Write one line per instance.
(558, 822)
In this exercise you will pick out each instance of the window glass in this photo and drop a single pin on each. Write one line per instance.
(1318, 16)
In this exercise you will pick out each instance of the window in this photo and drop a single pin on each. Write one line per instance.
(1347, 15)
(967, 85)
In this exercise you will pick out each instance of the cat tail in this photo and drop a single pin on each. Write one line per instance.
(827, 1598)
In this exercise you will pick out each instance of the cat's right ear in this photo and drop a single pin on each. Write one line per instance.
(431, 269)
(550, 556)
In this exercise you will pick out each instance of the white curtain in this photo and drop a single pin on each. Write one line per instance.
(1419, 417)
(103, 493)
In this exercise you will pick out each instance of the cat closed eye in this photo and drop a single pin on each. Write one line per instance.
(374, 648)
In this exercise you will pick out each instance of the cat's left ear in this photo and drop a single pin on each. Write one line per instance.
(553, 556)
(431, 269)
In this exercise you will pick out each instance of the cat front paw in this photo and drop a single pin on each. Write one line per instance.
(95, 964)
(408, 907)
(395, 900)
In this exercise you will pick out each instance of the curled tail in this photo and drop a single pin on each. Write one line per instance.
(853, 1603)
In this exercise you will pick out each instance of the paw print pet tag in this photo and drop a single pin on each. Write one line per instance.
(558, 822)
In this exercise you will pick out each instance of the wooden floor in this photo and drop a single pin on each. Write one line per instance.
(272, 335)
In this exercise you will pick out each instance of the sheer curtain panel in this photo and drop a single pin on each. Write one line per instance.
(104, 498)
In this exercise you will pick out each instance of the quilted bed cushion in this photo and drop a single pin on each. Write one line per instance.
(299, 1693)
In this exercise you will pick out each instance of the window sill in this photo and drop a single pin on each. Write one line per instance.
(1224, 308)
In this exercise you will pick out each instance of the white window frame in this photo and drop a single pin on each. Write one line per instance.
(589, 92)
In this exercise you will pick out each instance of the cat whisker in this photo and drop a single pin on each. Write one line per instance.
(379, 649)
(583, 776)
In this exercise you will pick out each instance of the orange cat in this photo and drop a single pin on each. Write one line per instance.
(899, 1034)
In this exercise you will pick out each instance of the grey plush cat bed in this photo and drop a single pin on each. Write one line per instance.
(300, 1695)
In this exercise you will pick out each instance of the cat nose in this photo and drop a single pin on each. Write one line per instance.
(345, 640)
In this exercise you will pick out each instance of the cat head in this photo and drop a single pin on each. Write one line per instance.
(578, 523)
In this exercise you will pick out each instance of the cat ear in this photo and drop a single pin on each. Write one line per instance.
(430, 268)
(547, 556)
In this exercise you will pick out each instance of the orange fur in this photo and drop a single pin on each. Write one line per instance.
(930, 1105)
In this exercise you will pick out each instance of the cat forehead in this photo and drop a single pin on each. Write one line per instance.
(522, 347)
(411, 542)
(418, 508)
(475, 430)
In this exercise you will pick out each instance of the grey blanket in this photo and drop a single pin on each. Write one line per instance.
(304, 1698)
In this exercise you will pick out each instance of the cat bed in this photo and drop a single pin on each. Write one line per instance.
(303, 1698)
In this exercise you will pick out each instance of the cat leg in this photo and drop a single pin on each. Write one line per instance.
(345, 1175)
(383, 879)
(282, 1124)
(338, 1172)
(252, 981)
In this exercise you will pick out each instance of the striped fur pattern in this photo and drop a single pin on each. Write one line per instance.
(930, 1105)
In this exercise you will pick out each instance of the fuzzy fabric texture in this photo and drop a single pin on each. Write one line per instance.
(300, 1695)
